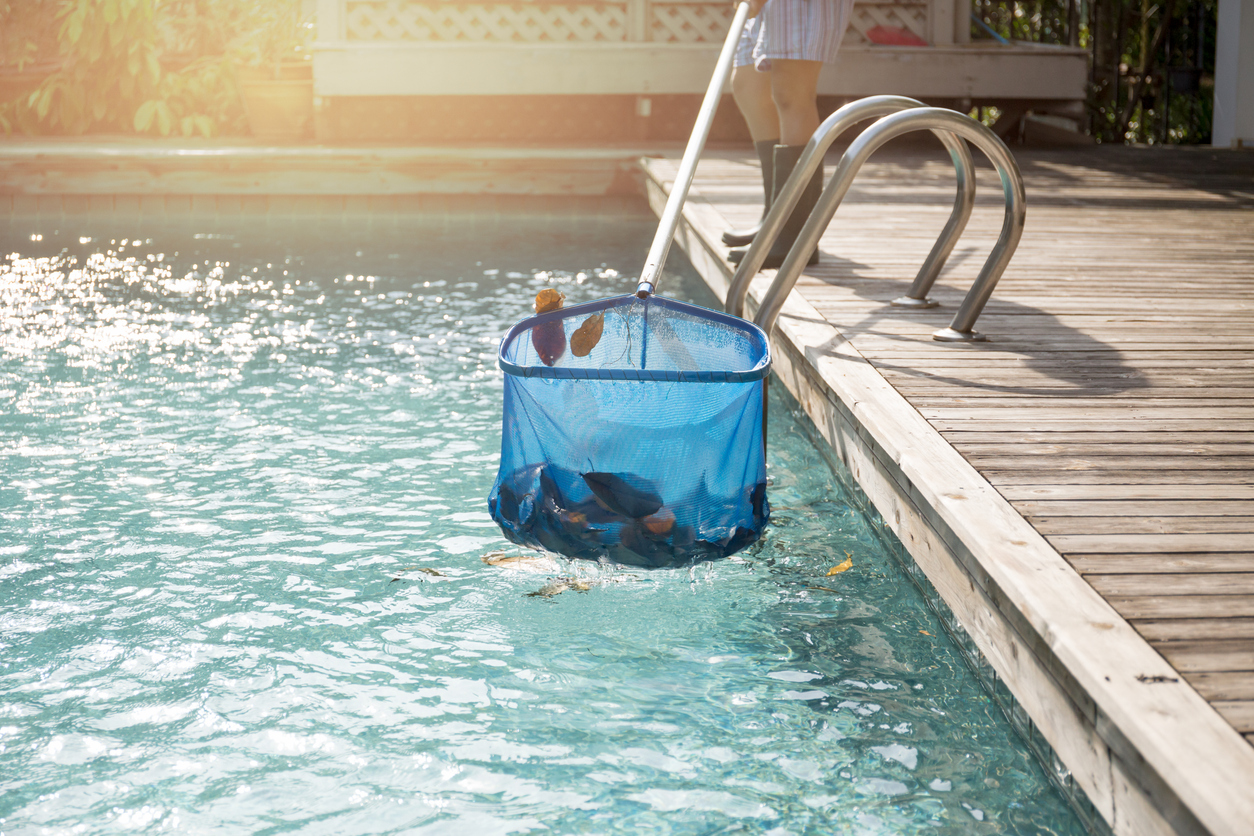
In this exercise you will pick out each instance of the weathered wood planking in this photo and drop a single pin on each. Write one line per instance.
(1111, 405)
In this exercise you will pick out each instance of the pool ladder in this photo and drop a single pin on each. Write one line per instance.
(896, 115)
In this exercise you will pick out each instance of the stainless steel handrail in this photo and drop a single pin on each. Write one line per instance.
(935, 119)
(812, 157)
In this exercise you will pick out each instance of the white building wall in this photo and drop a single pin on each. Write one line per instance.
(1234, 75)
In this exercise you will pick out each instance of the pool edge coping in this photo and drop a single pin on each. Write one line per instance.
(1151, 756)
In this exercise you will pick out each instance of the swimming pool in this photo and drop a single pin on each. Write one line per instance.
(244, 521)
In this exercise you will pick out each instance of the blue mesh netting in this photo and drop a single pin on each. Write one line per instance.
(647, 451)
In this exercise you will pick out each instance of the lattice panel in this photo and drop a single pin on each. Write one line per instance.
(396, 20)
(909, 16)
(704, 22)
(689, 23)
(683, 21)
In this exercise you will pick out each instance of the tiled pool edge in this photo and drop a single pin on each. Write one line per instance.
(1144, 748)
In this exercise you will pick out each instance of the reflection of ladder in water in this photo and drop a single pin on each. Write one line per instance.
(899, 116)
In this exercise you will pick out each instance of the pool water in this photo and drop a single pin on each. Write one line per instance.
(243, 525)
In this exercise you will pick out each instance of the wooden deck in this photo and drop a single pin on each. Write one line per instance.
(1112, 405)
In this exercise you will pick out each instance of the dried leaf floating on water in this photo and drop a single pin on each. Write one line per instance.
(559, 586)
(549, 338)
(539, 564)
(587, 336)
(842, 567)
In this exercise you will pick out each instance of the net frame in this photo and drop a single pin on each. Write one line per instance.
(715, 491)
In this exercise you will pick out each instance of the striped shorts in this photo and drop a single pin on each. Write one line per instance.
(801, 30)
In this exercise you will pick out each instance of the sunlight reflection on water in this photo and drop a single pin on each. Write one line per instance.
(243, 516)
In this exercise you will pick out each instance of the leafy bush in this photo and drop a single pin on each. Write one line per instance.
(151, 66)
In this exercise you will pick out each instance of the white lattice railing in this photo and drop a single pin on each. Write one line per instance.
(539, 21)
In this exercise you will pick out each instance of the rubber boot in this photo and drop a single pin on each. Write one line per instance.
(766, 156)
(786, 157)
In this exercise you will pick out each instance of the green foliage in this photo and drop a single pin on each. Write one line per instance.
(161, 67)
(27, 33)
(1133, 46)
(110, 65)
(277, 33)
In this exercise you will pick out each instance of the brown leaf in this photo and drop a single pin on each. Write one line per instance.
(842, 567)
(587, 336)
(549, 340)
(549, 300)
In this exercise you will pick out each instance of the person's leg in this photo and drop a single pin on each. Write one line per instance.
(794, 85)
(752, 93)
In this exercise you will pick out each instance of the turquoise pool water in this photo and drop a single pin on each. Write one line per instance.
(242, 588)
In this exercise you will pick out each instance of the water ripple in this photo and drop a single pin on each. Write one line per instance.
(243, 514)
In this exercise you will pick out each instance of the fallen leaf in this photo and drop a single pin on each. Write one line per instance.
(843, 567)
(549, 338)
(559, 585)
(660, 522)
(925, 632)
(587, 336)
(539, 564)
(549, 300)
(427, 571)
(550, 589)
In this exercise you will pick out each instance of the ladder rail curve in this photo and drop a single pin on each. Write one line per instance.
(871, 107)
(939, 120)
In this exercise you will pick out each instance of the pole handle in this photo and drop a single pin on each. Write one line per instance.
(652, 271)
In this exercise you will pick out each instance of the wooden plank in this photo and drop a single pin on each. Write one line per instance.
(1010, 422)
(1122, 478)
(1043, 465)
(1209, 654)
(1183, 606)
(1099, 507)
(1033, 405)
(1081, 437)
(1153, 543)
(1123, 524)
(1239, 713)
(1167, 564)
(1205, 583)
(1224, 685)
(984, 394)
(945, 355)
(1178, 629)
(1127, 491)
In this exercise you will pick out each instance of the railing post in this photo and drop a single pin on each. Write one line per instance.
(964, 201)
(330, 22)
(638, 20)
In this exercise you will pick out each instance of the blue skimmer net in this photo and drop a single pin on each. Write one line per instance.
(647, 450)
